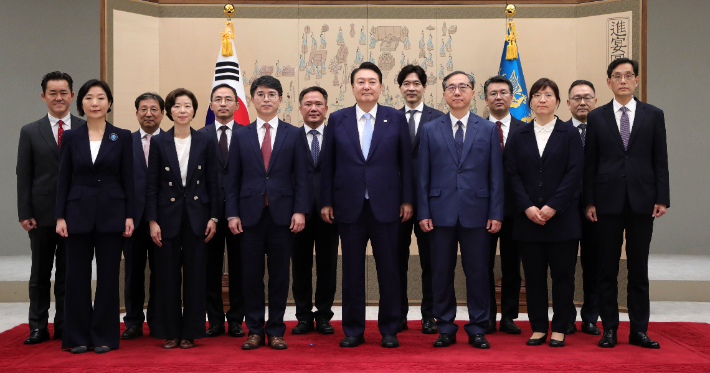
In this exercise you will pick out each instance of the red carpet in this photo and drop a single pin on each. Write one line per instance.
(685, 347)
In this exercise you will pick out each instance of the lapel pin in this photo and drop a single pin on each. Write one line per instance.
(170, 183)
(385, 120)
(113, 137)
(199, 167)
(167, 168)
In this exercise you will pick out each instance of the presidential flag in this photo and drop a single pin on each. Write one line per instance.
(512, 68)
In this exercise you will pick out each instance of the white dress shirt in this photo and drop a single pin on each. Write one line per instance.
(229, 131)
(94, 146)
(504, 125)
(417, 115)
(464, 122)
(360, 115)
(309, 136)
(261, 130)
(631, 113)
(143, 133)
(182, 147)
(542, 134)
(55, 126)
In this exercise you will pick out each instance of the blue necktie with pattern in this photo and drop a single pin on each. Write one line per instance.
(583, 134)
(625, 127)
(458, 139)
(315, 146)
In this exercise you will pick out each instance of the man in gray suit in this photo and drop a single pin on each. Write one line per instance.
(37, 168)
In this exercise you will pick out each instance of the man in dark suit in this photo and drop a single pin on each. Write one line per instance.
(267, 199)
(37, 168)
(581, 101)
(460, 193)
(499, 95)
(223, 101)
(626, 186)
(367, 190)
(150, 109)
(412, 85)
(313, 105)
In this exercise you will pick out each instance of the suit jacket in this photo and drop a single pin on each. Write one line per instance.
(640, 172)
(553, 180)
(211, 130)
(140, 177)
(165, 193)
(428, 114)
(386, 174)
(469, 190)
(37, 169)
(285, 182)
(314, 180)
(96, 195)
(510, 211)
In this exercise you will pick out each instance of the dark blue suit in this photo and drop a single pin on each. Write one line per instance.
(551, 180)
(95, 199)
(405, 232)
(266, 228)
(460, 196)
(182, 212)
(386, 174)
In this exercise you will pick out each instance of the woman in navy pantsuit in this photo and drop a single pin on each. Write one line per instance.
(181, 205)
(544, 165)
(94, 211)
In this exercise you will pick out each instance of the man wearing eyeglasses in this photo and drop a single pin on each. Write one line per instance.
(223, 102)
(498, 92)
(581, 101)
(150, 109)
(625, 187)
(460, 192)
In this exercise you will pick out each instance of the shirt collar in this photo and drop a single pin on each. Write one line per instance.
(419, 108)
(463, 120)
(273, 122)
(53, 121)
(229, 125)
(505, 121)
(143, 133)
(631, 105)
(359, 112)
(548, 127)
(575, 122)
(309, 129)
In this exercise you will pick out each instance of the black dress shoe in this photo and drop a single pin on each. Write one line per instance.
(491, 328)
(352, 341)
(79, 350)
(323, 326)
(132, 333)
(570, 328)
(508, 326)
(215, 330)
(101, 349)
(235, 330)
(479, 341)
(37, 336)
(608, 339)
(556, 343)
(536, 341)
(642, 339)
(303, 327)
(403, 325)
(445, 340)
(590, 328)
(429, 326)
(390, 341)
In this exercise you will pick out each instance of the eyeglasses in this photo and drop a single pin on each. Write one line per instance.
(494, 94)
(578, 99)
(548, 96)
(415, 84)
(451, 88)
(226, 100)
(272, 95)
(145, 111)
(619, 77)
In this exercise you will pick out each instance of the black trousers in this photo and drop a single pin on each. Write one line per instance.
(561, 258)
(590, 266)
(214, 272)
(276, 243)
(510, 270)
(610, 235)
(139, 248)
(46, 244)
(353, 239)
(98, 325)
(405, 239)
(325, 238)
(180, 261)
(474, 244)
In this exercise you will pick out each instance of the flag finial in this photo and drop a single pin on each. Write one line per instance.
(511, 36)
(228, 33)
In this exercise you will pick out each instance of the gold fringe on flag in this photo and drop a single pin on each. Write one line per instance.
(227, 36)
(511, 37)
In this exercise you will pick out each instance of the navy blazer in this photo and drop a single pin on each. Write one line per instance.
(165, 193)
(285, 182)
(386, 174)
(553, 180)
(140, 177)
(96, 195)
(469, 190)
(515, 125)
(640, 172)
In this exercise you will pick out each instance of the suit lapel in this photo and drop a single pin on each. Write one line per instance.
(195, 148)
(448, 134)
(381, 125)
(426, 115)
(351, 129)
(106, 143)
(528, 136)
(280, 136)
(253, 138)
(171, 152)
(212, 131)
(138, 148)
(45, 128)
(611, 122)
(638, 120)
(310, 155)
(471, 130)
(554, 137)
(82, 144)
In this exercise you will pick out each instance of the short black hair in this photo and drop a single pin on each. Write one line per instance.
(223, 85)
(541, 84)
(497, 79)
(621, 61)
(581, 82)
(151, 96)
(268, 82)
(313, 89)
(173, 95)
(411, 69)
(366, 66)
(56, 75)
(85, 89)
(470, 77)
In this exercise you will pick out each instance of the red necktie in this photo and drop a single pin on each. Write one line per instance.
(60, 132)
(500, 134)
(266, 154)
